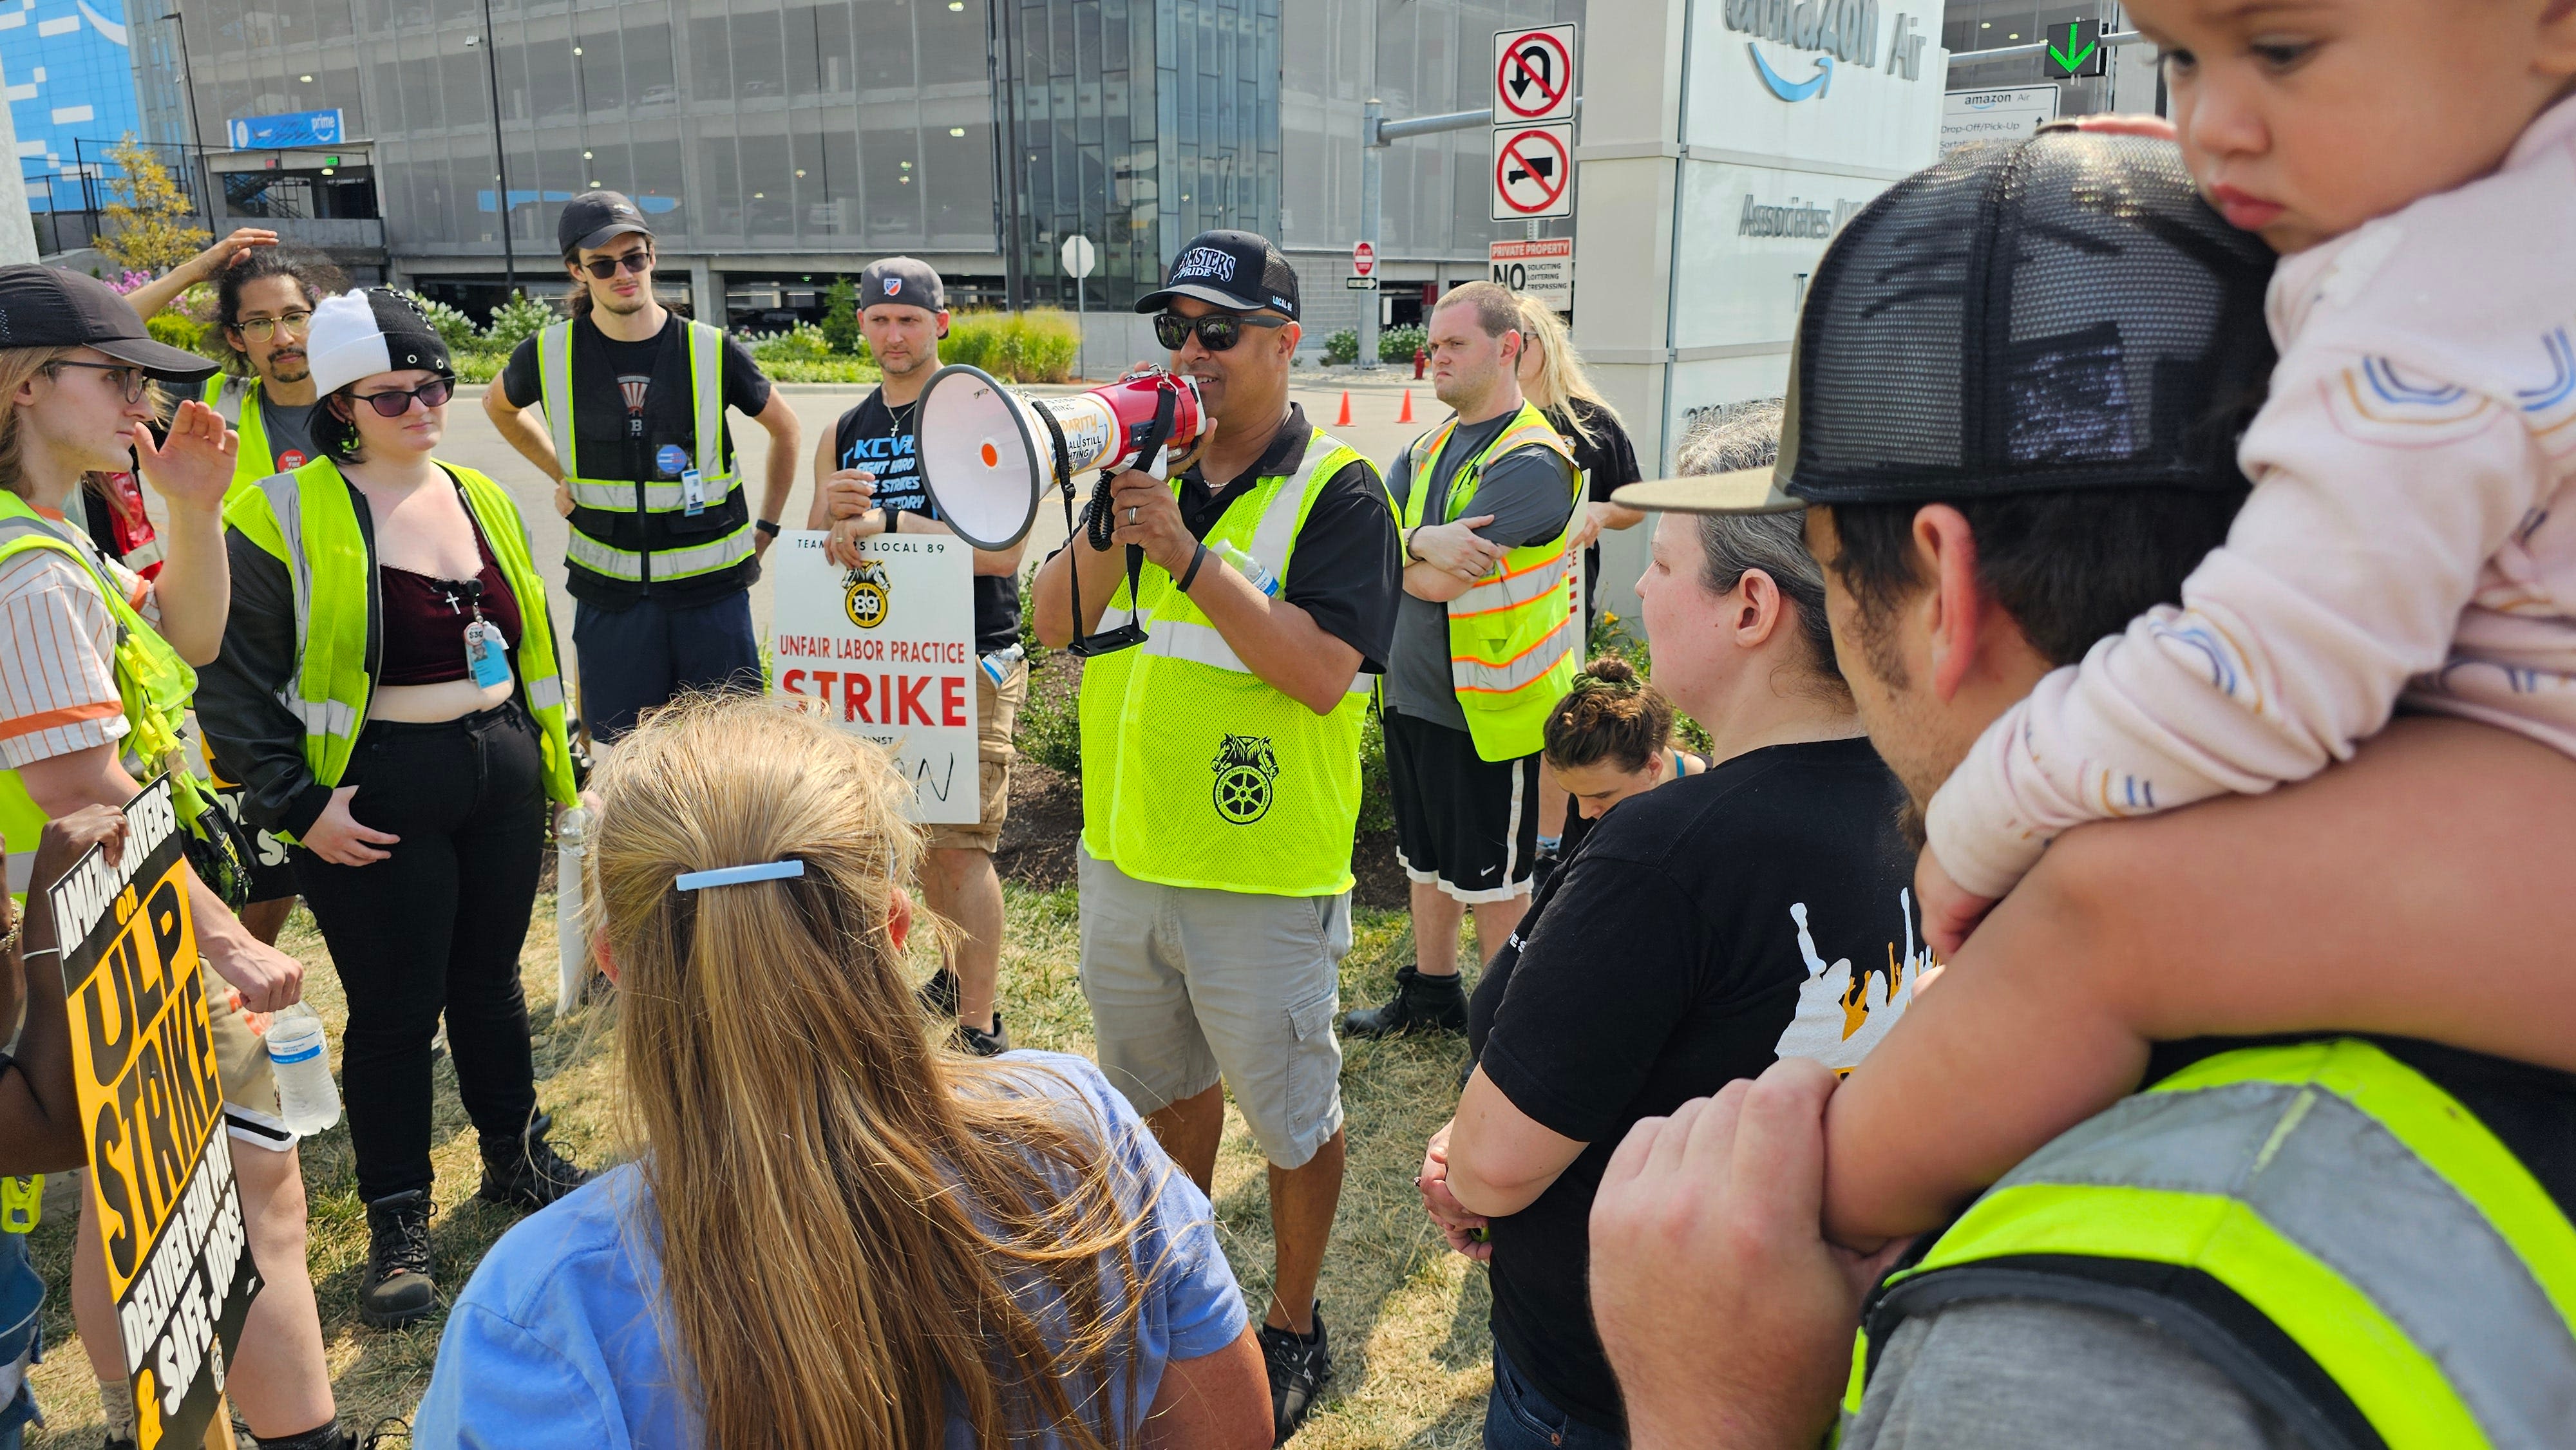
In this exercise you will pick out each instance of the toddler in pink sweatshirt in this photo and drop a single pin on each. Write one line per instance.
(2409, 546)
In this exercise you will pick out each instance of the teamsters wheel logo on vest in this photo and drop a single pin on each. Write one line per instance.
(1245, 767)
(867, 598)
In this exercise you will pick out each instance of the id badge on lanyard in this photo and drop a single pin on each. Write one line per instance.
(487, 651)
(693, 493)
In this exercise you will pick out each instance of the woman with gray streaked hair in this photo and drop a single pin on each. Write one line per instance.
(1703, 929)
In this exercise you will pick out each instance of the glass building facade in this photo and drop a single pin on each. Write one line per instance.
(70, 86)
(782, 139)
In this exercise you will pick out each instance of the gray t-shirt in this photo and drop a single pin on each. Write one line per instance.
(2030, 1374)
(290, 430)
(1530, 493)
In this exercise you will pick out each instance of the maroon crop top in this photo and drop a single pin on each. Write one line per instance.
(424, 634)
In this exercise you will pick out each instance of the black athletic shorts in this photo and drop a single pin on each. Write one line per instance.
(1463, 823)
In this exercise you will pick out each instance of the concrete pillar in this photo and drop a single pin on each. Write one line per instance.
(706, 291)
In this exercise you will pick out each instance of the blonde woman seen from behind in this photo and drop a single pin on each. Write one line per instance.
(842, 1234)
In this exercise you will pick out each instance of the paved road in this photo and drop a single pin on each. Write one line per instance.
(472, 442)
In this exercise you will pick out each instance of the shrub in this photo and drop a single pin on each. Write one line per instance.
(173, 330)
(1343, 346)
(825, 370)
(841, 317)
(454, 328)
(1396, 344)
(477, 364)
(517, 320)
(1377, 795)
(804, 343)
(1020, 347)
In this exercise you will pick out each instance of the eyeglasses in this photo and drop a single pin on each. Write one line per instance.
(1218, 331)
(397, 402)
(263, 327)
(137, 382)
(604, 268)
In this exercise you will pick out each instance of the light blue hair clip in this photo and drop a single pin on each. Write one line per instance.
(737, 875)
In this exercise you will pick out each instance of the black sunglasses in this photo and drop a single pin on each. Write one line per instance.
(604, 268)
(137, 381)
(398, 402)
(1218, 331)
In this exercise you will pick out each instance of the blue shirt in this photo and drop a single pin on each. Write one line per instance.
(555, 1340)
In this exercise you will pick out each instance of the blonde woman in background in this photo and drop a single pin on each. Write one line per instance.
(840, 1235)
(1553, 377)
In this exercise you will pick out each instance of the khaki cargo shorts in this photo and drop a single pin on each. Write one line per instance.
(997, 714)
(241, 1061)
(1189, 985)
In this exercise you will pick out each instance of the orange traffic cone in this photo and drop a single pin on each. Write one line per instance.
(1344, 421)
(1405, 415)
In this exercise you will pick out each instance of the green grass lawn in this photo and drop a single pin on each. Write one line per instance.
(1407, 1316)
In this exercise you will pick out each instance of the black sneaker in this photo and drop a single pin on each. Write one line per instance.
(982, 1043)
(1300, 1366)
(528, 1173)
(1421, 1004)
(939, 994)
(398, 1289)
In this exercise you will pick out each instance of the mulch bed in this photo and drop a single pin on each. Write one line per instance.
(1041, 837)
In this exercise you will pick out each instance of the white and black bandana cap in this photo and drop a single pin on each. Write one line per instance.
(372, 330)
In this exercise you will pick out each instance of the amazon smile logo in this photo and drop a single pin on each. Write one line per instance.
(1836, 32)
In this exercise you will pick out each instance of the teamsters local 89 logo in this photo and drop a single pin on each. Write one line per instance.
(866, 596)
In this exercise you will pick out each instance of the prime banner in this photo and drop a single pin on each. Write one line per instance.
(170, 1220)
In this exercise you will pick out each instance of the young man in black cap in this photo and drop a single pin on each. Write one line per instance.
(867, 481)
(664, 541)
(95, 667)
(1221, 778)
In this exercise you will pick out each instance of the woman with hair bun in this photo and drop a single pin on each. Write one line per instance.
(1611, 738)
(844, 1234)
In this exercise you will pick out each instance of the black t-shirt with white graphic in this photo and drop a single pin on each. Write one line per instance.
(1760, 910)
(879, 439)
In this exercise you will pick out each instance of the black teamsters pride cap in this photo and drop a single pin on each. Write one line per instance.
(1241, 270)
(2057, 313)
(44, 306)
(904, 281)
(596, 218)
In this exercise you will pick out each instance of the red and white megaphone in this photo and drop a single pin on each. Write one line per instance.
(987, 453)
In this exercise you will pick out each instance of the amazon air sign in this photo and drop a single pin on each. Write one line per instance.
(1831, 32)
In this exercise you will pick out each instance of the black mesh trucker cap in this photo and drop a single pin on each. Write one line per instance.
(2058, 313)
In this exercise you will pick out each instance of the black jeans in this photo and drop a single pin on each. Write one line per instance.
(436, 927)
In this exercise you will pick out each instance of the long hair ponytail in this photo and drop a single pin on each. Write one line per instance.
(843, 1208)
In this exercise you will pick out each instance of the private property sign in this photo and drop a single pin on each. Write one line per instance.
(1543, 268)
(887, 650)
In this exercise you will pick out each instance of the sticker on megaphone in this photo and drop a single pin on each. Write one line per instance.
(987, 453)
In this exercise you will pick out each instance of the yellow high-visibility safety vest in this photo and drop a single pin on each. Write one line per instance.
(647, 496)
(306, 521)
(237, 399)
(2324, 1223)
(152, 684)
(1512, 640)
(1196, 771)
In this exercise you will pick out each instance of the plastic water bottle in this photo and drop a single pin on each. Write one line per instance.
(300, 1056)
(1249, 567)
(572, 942)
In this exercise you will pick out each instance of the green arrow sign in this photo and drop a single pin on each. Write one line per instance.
(2070, 60)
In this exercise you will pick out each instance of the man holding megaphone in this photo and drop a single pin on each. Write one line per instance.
(1220, 766)
(868, 481)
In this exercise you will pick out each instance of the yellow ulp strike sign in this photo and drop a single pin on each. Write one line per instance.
(170, 1219)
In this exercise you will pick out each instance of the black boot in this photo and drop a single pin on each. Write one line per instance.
(1420, 1004)
(1299, 1367)
(398, 1288)
(527, 1173)
(982, 1043)
(939, 994)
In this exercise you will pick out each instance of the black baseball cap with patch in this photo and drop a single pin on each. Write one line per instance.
(596, 218)
(44, 306)
(2058, 313)
(904, 282)
(1241, 270)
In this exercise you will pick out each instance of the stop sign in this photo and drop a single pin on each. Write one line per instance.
(1363, 258)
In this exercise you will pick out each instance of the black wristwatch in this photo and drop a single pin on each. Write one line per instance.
(766, 526)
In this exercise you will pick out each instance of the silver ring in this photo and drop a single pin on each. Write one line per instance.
(1131, 516)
